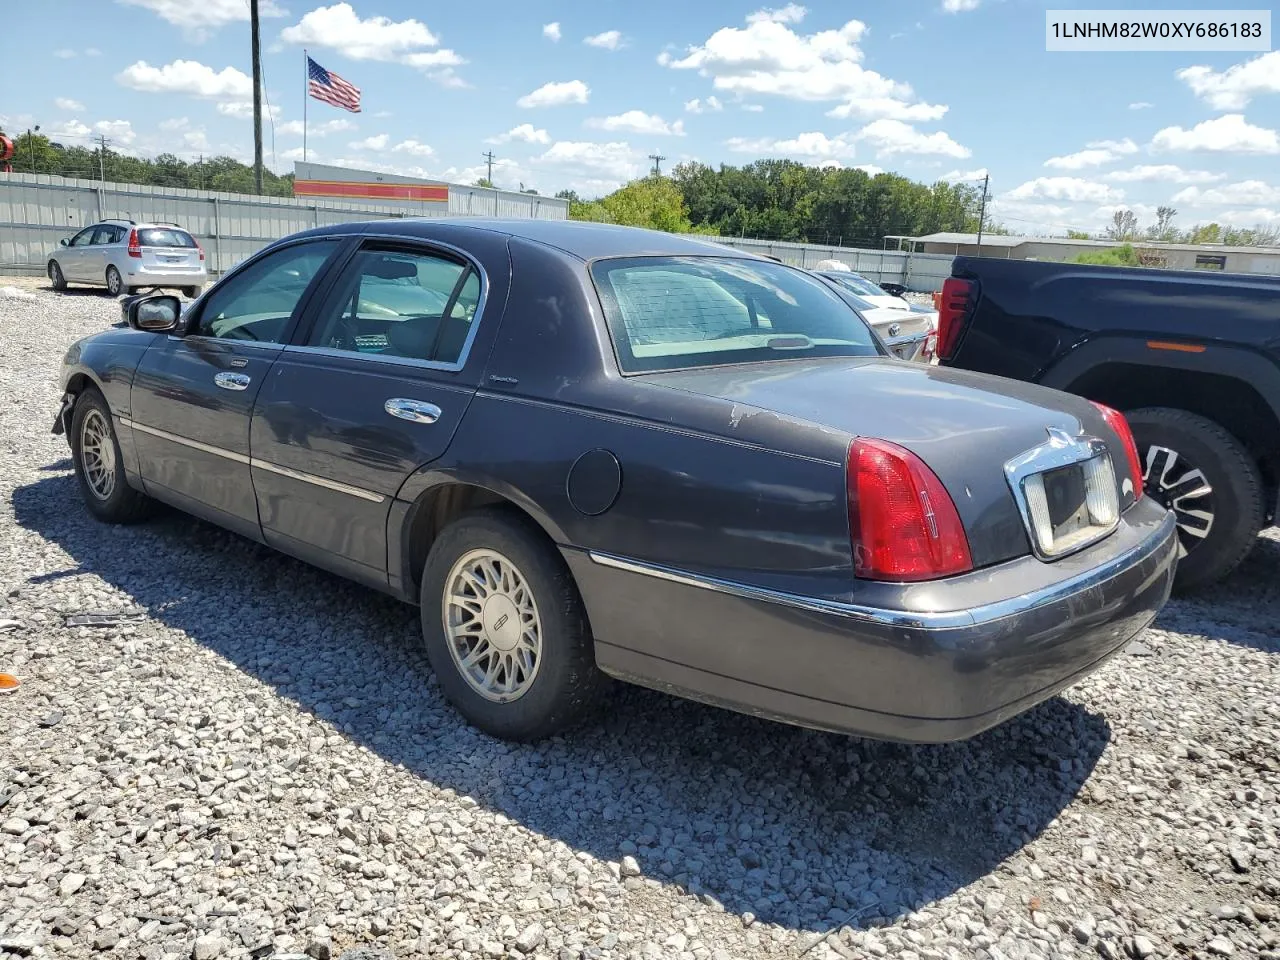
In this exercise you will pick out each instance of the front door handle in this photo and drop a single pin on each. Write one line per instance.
(232, 381)
(419, 411)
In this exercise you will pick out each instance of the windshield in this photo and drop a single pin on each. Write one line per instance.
(668, 313)
(857, 284)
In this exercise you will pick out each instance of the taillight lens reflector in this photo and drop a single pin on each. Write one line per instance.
(951, 314)
(1116, 421)
(135, 248)
(902, 522)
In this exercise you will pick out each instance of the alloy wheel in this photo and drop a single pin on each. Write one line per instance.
(98, 455)
(1180, 486)
(492, 626)
(114, 283)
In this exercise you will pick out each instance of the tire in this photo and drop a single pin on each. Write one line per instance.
(548, 692)
(191, 292)
(56, 279)
(114, 501)
(115, 283)
(1218, 527)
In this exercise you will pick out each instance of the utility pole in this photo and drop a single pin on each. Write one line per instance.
(488, 155)
(257, 95)
(102, 154)
(32, 144)
(657, 159)
(982, 211)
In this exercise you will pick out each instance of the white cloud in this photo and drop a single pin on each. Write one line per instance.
(189, 77)
(1233, 88)
(600, 166)
(378, 166)
(768, 57)
(120, 131)
(1259, 216)
(791, 13)
(195, 140)
(295, 153)
(65, 103)
(378, 142)
(753, 108)
(175, 123)
(870, 169)
(1072, 189)
(710, 105)
(551, 31)
(957, 176)
(556, 94)
(891, 137)
(959, 6)
(414, 148)
(873, 108)
(1229, 133)
(1243, 194)
(609, 40)
(1141, 105)
(340, 28)
(810, 146)
(525, 133)
(65, 54)
(294, 128)
(637, 121)
(243, 110)
(1162, 172)
(198, 18)
(72, 130)
(1097, 153)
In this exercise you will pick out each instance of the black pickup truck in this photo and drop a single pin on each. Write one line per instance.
(1191, 358)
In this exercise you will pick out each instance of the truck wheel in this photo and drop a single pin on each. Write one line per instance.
(505, 629)
(1204, 475)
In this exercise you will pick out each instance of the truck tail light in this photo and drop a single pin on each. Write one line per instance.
(135, 248)
(902, 522)
(952, 313)
(1116, 421)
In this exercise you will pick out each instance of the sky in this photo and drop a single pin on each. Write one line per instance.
(578, 94)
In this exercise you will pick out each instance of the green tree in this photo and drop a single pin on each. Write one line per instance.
(1077, 235)
(1121, 256)
(1205, 233)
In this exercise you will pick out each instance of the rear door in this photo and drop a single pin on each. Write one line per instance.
(375, 388)
(193, 395)
(168, 250)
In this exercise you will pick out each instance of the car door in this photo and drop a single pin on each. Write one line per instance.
(374, 389)
(71, 257)
(193, 394)
(96, 256)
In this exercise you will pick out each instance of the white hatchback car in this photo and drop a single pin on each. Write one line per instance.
(124, 256)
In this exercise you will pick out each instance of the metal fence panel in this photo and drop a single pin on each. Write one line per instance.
(38, 210)
(920, 272)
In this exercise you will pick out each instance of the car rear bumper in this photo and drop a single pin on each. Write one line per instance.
(943, 662)
(167, 277)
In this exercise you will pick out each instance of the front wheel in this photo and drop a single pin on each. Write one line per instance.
(115, 283)
(1195, 468)
(99, 464)
(56, 279)
(505, 629)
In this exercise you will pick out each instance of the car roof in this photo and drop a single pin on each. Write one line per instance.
(581, 239)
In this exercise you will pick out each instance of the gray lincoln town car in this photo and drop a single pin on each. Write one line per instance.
(589, 451)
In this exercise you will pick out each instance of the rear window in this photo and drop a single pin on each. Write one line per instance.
(670, 313)
(857, 284)
(165, 237)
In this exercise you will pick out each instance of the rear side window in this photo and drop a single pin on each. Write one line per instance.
(165, 237)
(670, 313)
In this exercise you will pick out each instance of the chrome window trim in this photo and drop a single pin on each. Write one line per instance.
(256, 462)
(908, 619)
(1060, 450)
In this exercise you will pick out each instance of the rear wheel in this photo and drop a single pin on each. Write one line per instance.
(115, 283)
(505, 628)
(191, 292)
(56, 279)
(100, 466)
(1197, 469)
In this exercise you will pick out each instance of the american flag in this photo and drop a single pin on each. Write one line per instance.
(332, 89)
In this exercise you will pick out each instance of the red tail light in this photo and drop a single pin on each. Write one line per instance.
(1116, 421)
(135, 248)
(951, 314)
(198, 247)
(903, 523)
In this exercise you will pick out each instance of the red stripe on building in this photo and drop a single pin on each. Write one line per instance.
(370, 191)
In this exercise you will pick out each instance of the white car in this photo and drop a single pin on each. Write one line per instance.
(910, 334)
(865, 289)
(125, 256)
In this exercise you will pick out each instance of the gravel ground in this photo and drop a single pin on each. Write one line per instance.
(261, 762)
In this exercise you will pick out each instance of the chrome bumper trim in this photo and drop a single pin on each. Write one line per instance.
(941, 620)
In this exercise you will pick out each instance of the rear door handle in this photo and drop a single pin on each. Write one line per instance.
(418, 411)
(232, 381)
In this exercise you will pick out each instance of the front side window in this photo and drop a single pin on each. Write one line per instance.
(83, 238)
(257, 303)
(396, 303)
(669, 313)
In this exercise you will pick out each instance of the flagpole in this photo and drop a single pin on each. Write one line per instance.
(306, 81)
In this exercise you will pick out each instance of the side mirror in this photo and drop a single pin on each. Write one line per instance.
(157, 314)
(64, 242)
